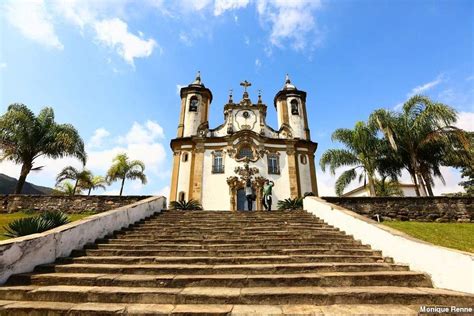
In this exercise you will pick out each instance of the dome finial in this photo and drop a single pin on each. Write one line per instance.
(259, 96)
(198, 78)
(288, 85)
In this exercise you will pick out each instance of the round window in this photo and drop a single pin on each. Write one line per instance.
(246, 114)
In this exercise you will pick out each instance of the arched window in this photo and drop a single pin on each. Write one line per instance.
(193, 104)
(294, 107)
(181, 196)
(185, 157)
(245, 151)
(217, 162)
(303, 159)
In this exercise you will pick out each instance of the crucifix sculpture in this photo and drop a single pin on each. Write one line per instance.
(245, 84)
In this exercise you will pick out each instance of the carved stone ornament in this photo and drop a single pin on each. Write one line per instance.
(246, 172)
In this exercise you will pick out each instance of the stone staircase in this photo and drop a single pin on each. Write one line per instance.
(221, 263)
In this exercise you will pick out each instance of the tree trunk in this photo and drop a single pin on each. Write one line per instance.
(415, 182)
(75, 186)
(25, 169)
(427, 185)
(371, 186)
(89, 193)
(121, 188)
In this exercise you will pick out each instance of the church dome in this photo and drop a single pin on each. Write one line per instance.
(288, 85)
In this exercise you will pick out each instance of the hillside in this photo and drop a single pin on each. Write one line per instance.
(7, 186)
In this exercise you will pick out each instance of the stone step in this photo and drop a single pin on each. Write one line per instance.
(28, 308)
(259, 241)
(143, 259)
(163, 249)
(248, 295)
(262, 268)
(200, 252)
(230, 244)
(330, 279)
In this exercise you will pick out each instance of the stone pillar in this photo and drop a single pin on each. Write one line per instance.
(312, 171)
(198, 161)
(293, 173)
(175, 175)
(181, 118)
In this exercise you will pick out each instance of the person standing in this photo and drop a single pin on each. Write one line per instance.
(267, 195)
(249, 194)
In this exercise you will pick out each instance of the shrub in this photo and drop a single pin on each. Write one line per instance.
(290, 204)
(185, 205)
(37, 224)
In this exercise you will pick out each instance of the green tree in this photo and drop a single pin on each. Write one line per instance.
(25, 137)
(363, 152)
(67, 188)
(384, 187)
(93, 183)
(420, 135)
(463, 159)
(80, 177)
(122, 168)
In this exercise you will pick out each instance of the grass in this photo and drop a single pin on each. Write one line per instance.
(452, 235)
(7, 218)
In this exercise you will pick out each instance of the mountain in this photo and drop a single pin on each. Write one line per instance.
(7, 186)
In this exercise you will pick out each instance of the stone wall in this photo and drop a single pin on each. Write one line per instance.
(421, 209)
(67, 204)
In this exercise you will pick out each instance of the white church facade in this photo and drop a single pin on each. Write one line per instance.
(212, 165)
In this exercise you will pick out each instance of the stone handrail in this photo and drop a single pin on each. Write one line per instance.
(448, 268)
(19, 255)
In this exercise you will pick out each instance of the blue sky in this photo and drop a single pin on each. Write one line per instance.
(113, 68)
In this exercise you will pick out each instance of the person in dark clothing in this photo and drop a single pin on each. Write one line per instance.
(249, 195)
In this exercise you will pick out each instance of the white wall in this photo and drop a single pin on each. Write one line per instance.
(20, 255)
(296, 121)
(192, 119)
(184, 174)
(448, 268)
(215, 190)
(305, 175)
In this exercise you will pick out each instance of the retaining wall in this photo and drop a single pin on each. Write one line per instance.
(19, 255)
(448, 268)
(421, 209)
(67, 204)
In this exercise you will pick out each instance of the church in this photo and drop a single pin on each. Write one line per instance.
(213, 165)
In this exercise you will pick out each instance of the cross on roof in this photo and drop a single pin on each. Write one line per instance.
(245, 84)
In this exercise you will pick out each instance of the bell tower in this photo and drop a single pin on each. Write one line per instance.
(195, 102)
(290, 104)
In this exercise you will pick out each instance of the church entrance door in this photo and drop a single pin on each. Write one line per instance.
(241, 200)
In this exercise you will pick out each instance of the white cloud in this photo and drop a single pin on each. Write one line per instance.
(421, 89)
(98, 137)
(466, 121)
(246, 40)
(114, 34)
(220, 6)
(143, 133)
(425, 87)
(470, 78)
(3, 65)
(33, 21)
(185, 39)
(165, 191)
(258, 63)
(293, 21)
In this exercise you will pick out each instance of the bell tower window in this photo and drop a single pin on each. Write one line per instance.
(294, 107)
(193, 104)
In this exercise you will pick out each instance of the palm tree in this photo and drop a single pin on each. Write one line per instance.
(420, 135)
(67, 188)
(362, 152)
(122, 168)
(94, 182)
(388, 188)
(186, 205)
(80, 177)
(24, 137)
